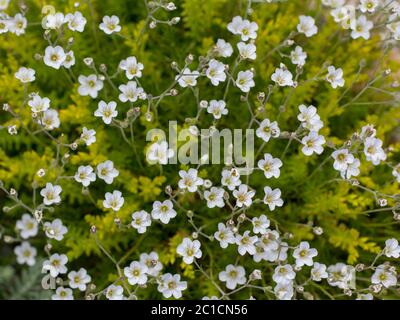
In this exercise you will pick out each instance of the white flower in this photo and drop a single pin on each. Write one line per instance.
(260, 224)
(27, 226)
(106, 111)
(215, 197)
(283, 274)
(140, 221)
(272, 198)
(54, 21)
(88, 136)
(55, 229)
(51, 194)
(223, 48)
(189, 250)
(298, 56)
(335, 77)
(189, 180)
(4, 23)
(217, 108)
(25, 75)
(230, 179)
(224, 235)
(284, 291)
(79, 279)
(318, 272)
(243, 196)
(113, 200)
(246, 243)
(373, 151)
(90, 85)
(352, 170)
(54, 57)
(4, 4)
(106, 171)
(342, 159)
(365, 296)
(62, 294)
(268, 129)
(56, 264)
(25, 253)
(304, 254)
(171, 285)
(114, 292)
(158, 152)
(309, 118)
(49, 119)
(247, 50)
(307, 26)
(136, 273)
(85, 175)
(69, 59)
(187, 78)
(396, 172)
(39, 104)
(283, 77)
(216, 72)
(110, 24)
(392, 248)
(312, 143)
(340, 275)
(151, 261)
(235, 25)
(245, 80)
(76, 21)
(133, 68)
(17, 24)
(340, 14)
(368, 5)
(270, 166)
(233, 275)
(385, 275)
(131, 92)
(163, 211)
(361, 28)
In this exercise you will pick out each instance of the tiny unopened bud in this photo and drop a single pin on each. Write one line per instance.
(207, 184)
(175, 20)
(203, 104)
(195, 235)
(189, 214)
(360, 267)
(103, 67)
(152, 24)
(300, 289)
(170, 6)
(38, 57)
(174, 92)
(117, 221)
(168, 189)
(189, 59)
(241, 217)
(88, 61)
(382, 202)
(93, 229)
(318, 231)
(74, 146)
(256, 275)
(41, 173)
(388, 71)
(13, 192)
(148, 116)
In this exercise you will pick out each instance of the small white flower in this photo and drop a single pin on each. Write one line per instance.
(90, 85)
(223, 48)
(133, 68)
(270, 166)
(69, 59)
(106, 171)
(62, 294)
(171, 285)
(268, 129)
(224, 235)
(79, 279)
(282, 77)
(284, 291)
(54, 21)
(384, 275)
(18, 24)
(27, 226)
(110, 24)
(233, 275)
(152, 262)
(50, 119)
(243, 196)
(283, 274)
(215, 197)
(260, 224)
(54, 57)
(340, 14)
(298, 56)
(307, 26)
(216, 72)
(247, 50)
(352, 170)
(189, 180)
(136, 273)
(272, 198)
(114, 292)
(335, 77)
(85, 175)
(163, 211)
(131, 92)
(304, 254)
(113, 200)
(309, 118)
(4, 4)
(340, 275)
(318, 272)
(55, 229)
(368, 5)
(396, 173)
(373, 151)
(106, 111)
(25, 253)
(189, 250)
(25, 75)
(342, 159)
(187, 78)
(76, 21)
(88, 136)
(230, 179)
(159, 152)
(140, 221)
(246, 243)
(312, 143)
(217, 108)
(39, 104)
(365, 296)
(245, 80)
(51, 194)
(361, 28)
(56, 264)
(392, 248)
(235, 25)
